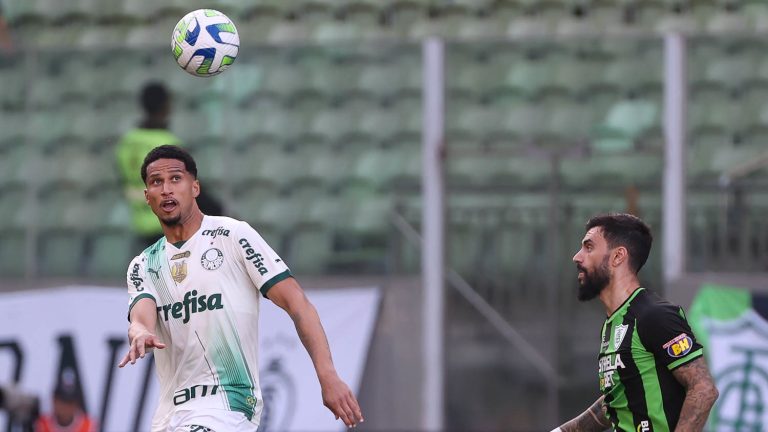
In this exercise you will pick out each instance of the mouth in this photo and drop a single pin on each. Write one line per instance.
(168, 205)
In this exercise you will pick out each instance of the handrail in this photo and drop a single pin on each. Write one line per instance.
(454, 279)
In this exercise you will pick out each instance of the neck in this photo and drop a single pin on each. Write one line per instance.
(185, 229)
(618, 291)
(154, 123)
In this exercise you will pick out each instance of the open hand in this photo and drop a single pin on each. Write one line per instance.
(338, 398)
(140, 346)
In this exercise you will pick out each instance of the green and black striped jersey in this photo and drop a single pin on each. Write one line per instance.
(642, 342)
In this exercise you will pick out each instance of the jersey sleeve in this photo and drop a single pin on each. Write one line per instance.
(138, 286)
(665, 332)
(264, 266)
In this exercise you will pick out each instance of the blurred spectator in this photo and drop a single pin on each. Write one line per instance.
(152, 131)
(68, 414)
(22, 408)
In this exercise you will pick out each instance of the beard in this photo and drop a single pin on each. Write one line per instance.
(171, 221)
(593, 282)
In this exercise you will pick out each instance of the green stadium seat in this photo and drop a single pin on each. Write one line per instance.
(310, 250)
(380, 125)
(12, 128)
(725, 23)
(282, 80)
(381, 80)
(481, 28)
(715, 109)
(404, 14)
(13, 90)
(624, 124)
(731, 72)
(701, 151)
(109, 253)
(471, 122)
(334, 126)
(289, 32)
(530, 76)
(525, 121)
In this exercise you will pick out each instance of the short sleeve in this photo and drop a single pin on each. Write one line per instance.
(665, 332)
(138, 286)
(264, 266)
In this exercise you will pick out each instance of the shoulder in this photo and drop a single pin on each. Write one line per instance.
(224, 223)
(226, 227)
(652, 311)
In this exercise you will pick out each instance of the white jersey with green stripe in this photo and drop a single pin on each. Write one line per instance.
(206, 291)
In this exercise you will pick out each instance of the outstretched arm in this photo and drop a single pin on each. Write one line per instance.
(336, 394)
(140, 338)
(591, 420)
(700, 395)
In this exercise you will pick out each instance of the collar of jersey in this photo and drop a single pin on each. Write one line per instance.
(183, 242)
(626, 302)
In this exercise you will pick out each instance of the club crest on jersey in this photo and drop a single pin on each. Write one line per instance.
(179, 271)
(679, 346)
(618, 335)
(212, 259)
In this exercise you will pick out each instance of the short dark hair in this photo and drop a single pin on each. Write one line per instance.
(169, 152)
(622, 229)
(154, 97)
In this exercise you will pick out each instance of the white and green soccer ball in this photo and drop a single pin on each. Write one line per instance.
(205, 42)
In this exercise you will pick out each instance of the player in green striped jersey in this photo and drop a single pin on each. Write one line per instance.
(652, 372)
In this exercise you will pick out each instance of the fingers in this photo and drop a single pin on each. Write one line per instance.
(138, 349)
(347, 409)
(352, 409)
(124, 361)
(155, 343)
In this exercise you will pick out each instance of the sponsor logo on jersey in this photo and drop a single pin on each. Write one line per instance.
(184, 254)
(618, 335)
(607, 366)
(679, 346)
(644, 426)
(191, 304)
(184, 395)
(179, 271)
(220, 231)
(253, 257)
(136, 280)
(212, 259)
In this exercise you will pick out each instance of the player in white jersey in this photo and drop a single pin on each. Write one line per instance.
(195, 294)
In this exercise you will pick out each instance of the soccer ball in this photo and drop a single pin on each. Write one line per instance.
(205, 42)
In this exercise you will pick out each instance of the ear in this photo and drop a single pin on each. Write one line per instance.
(196, 188)
(146, 196)
(619, 256)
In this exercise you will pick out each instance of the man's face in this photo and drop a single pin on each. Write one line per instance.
(171, 190)
(592, 263)
(65, 410)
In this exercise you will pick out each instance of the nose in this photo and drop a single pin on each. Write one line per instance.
(166, 190)
(577, 258)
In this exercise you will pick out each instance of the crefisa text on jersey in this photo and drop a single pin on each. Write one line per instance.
(254, 257)
(216, 232)
(136, 280)
(190, 305)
